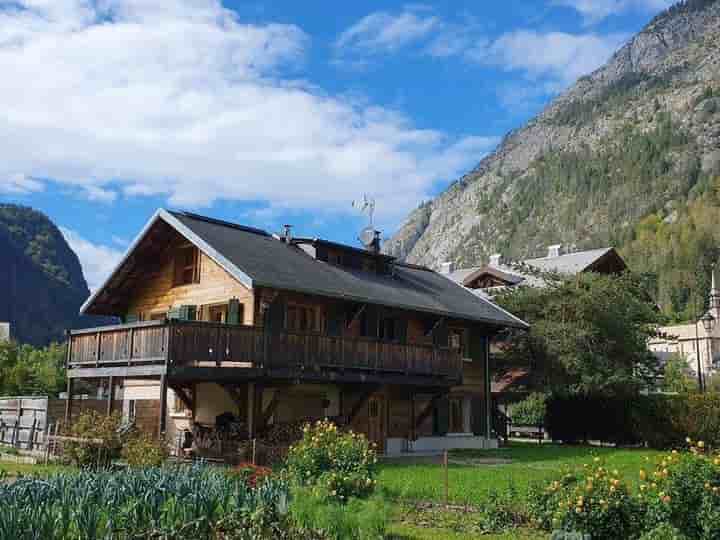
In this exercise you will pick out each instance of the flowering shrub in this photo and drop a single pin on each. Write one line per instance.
(97, 439)
(592, 501)
(683, 490)
(678, 498)
(143, 450)
(342, 463)
(253, 475)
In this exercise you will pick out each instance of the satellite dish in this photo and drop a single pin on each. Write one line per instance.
(367, 236)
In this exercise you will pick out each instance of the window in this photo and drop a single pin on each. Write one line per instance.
(456, 415)
(302, 318)
(159, 316)
(217, 314)
(179, 406)
(388, 329)
(186, 266)
(458, 340)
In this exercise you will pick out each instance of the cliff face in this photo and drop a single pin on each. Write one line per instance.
(41, 282)
(639, 136)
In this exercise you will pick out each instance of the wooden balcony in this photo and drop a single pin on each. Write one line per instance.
(194, 351)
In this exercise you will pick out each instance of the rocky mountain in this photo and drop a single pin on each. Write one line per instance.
(41, 282)
(635, 142)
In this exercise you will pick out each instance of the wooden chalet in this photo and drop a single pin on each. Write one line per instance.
(221, 318)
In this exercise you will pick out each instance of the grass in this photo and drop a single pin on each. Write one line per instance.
(399, 531)
(24, 469)
(470, 481)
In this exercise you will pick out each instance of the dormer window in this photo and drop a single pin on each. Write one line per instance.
(186, 266)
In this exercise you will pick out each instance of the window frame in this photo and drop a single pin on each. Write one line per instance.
(301, 308)
(182, 265)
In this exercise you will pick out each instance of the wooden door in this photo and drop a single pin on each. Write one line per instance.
(376, 422)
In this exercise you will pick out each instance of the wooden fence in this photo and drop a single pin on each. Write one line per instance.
(23, 421)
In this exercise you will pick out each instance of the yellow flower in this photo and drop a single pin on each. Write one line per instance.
(701, 444)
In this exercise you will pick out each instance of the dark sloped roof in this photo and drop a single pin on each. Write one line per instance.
(266, 261)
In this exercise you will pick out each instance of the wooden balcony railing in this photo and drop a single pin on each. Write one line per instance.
(184, 344)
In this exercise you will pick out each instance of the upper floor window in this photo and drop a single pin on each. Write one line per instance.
(388, 330)
(186, 266)
(302, 318)
(458, 340)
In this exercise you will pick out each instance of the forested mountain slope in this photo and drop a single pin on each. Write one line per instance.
(41, 282)
(629, 156)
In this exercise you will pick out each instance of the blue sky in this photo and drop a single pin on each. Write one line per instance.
(273, 112)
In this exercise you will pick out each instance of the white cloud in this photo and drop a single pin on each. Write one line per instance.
(97, 261)
(557, 57)
(180, 99)
(383, 31)
(594, 11)
(19, 184)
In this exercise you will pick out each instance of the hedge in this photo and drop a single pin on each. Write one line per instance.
(660, 421)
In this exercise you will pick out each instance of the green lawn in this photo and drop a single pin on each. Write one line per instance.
(17, 469)
(470, 481)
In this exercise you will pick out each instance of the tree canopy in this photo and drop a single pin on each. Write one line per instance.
(588, 333)
(25, 370)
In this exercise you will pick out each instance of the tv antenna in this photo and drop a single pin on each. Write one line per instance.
(366, 206)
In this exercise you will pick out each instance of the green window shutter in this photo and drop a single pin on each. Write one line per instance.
(441, 335)
(187, 313)
(276, 315)
(183, 313)
(369, 322)
(476, 346)
(233, 314)
(401, 326)
(335, 318)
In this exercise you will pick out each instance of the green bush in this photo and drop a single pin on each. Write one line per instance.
(100, 440)
(663, 532)
(315, 515)
(593, 501)
(661, 421)
(684, 491)
(344, 464)
(577, 418)
(665, 421)
(143, 450)
(530, 411)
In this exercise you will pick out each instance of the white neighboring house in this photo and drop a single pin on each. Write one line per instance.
(499, 274)
(4, 331)
(690, 339)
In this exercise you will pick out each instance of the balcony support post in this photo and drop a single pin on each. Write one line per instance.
(68, 401)
(110, 396)
(162, 426)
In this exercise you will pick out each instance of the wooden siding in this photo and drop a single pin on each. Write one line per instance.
(156, 293)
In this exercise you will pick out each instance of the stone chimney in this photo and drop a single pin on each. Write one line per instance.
(496, 259)
(376, 243)
(447, 268)
(554, 250)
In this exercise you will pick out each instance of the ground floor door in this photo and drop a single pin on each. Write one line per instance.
(376, 422)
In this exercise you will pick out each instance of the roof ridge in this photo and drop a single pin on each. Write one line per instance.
(221, 222)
